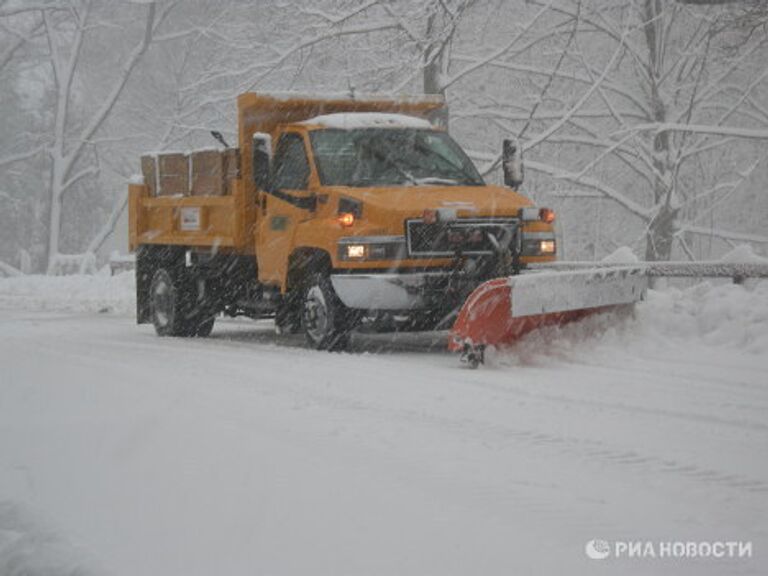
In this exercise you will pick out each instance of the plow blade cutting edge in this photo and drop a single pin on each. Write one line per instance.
(502, 310)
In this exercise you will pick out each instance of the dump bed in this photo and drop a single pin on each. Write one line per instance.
(208, 198)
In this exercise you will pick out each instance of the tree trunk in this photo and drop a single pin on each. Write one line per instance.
(54, 231)
(660, 235)
(433, 69)
(661, 228)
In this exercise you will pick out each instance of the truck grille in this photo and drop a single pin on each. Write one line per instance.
(442, 239)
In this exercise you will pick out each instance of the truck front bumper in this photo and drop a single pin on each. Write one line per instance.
(387, 291)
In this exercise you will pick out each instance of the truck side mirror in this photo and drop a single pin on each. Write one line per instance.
(512, 163)
(262, 160)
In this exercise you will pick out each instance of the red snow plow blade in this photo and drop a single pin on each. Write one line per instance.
(501, 311)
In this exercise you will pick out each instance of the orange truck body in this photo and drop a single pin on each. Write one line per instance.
(249, 222)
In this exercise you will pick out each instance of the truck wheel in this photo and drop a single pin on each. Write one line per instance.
(288, 313)
(204, 326)
(324, 317)
(169, 304)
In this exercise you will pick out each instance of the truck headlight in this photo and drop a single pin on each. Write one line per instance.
(355, 251)
(547, 246)
(372, 248)
(538, 244)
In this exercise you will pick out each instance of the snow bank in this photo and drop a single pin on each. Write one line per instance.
(725, 316)
(28, 549)
(743, 254)
(623, 255)
(76, 293)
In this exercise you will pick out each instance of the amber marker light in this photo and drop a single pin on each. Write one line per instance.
(547, 215)
(429, 216)
(346, 219)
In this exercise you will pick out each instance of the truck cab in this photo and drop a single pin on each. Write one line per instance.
(364, 212)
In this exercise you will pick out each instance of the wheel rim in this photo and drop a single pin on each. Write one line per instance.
(315, 314)
(163, 303)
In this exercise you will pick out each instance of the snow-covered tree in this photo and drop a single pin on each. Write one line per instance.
(643, 102)
(654, 111)
(70, 54)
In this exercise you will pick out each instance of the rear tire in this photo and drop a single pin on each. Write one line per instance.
(174, 308)
(165, 304)
(324, 318)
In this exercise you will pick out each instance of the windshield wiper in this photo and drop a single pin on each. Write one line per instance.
(387, 158)
(437, 180)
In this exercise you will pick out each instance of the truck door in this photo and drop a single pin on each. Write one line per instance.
(286, 204)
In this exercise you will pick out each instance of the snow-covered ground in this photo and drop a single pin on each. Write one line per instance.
(124, 454)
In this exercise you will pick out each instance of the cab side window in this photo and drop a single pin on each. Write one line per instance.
(291, 165)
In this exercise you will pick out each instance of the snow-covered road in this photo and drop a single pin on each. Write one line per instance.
(127, 454)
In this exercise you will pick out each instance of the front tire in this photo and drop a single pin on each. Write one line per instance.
(324, 318)
(288, 313)
(204, 325)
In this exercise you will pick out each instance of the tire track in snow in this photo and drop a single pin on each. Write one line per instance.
(633, 409)
(586, 449)
(756, 405)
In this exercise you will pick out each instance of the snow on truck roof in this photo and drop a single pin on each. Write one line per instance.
(353, 120)
(434, 99)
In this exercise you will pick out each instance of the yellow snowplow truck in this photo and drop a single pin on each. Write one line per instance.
(331, 214)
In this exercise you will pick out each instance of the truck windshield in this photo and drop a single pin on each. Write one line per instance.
(391, 157)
